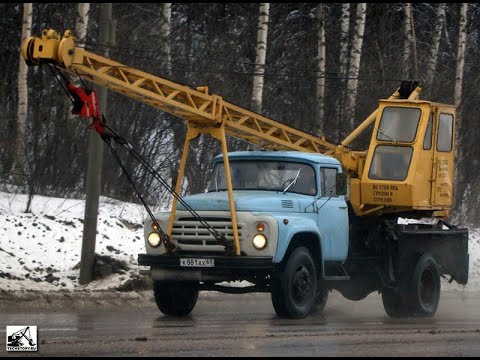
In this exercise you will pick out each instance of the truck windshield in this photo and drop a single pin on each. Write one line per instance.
(265, 175)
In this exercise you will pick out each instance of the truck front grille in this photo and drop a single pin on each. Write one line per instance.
(189, 231)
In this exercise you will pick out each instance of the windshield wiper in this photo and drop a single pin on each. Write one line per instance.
(293, 182)
(388, 137)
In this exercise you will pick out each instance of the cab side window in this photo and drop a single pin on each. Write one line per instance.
(445, 133)
(329, 178)
(427, 142)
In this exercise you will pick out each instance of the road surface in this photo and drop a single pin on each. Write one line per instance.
(246, 325)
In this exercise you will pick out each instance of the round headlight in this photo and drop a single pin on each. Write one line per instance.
(154, 239)
(259, 241)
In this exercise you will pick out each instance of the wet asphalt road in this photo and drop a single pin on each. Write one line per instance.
(246, 325)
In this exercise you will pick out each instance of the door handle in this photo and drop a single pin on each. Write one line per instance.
(342, 207)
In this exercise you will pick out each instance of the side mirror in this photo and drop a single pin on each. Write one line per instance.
(341, 183)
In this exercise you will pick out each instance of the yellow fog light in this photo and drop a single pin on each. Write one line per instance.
(154, 239)
(154, 226)
(260, 227)
(259, 241)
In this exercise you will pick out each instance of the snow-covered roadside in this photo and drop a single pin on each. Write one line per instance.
(39, 250)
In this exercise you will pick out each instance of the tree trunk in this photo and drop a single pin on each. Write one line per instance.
(321, 70)
(462, 43)
(355, 57)
(257, 92)
(461, 49)
(82, 23)
(432, 62)
(344, 36)
(407, 45)
(414, 45)
(343, 61)
(22, 111)
(165, 31)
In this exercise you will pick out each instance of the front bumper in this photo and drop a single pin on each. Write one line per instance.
(227, 268)
(222, 263)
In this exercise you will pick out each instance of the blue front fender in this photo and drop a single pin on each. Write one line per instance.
(286, 232)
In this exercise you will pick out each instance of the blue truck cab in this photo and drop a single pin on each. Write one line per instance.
(291, 223)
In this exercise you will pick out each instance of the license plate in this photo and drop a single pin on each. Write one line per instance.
(197, 262)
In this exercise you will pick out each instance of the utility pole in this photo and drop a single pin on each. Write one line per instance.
(95, 159)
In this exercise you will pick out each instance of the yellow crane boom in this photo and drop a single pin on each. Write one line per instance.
(196, 106)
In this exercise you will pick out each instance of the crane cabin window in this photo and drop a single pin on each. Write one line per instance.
(390, 163)
(427, 142)
(445, 133)
(398, 124)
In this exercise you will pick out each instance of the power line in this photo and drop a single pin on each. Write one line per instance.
(135, 52)
(266, 74)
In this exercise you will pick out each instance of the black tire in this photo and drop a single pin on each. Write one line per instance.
(294, 288)
(425, 287)
(175, 298)
(321, 297)
(394, 304)
(420, 294)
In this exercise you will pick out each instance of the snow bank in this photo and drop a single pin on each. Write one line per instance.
(39, 250)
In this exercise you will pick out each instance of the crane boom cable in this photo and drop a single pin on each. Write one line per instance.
(113, 135)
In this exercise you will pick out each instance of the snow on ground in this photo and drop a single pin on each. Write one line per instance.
(39, 250)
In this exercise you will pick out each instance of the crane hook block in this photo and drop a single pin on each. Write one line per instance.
(86, 105)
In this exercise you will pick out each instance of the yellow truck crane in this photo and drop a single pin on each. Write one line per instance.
(315, 216)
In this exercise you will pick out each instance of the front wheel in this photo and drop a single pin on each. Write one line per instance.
(294, 289)
(175, 298)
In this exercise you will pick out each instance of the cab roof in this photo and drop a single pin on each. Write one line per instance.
(280, 155)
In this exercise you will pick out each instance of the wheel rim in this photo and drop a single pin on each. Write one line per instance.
(302, 284)
(427, 288)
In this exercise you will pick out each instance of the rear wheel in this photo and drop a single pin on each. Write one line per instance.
(425, 286)
(420, 294)
(294, 288)
(175, 298)
(394, 304)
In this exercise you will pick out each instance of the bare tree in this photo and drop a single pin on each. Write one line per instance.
(257, 92)
(343, 61)
(432, 61)
(165, 31)
(355, 57)
(407, 45)
(344, 36)
(462, 44)
(82, 23)
(22, 110)
(459, 185)
(320, 100)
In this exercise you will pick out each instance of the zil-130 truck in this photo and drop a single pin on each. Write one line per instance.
(303, 217)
